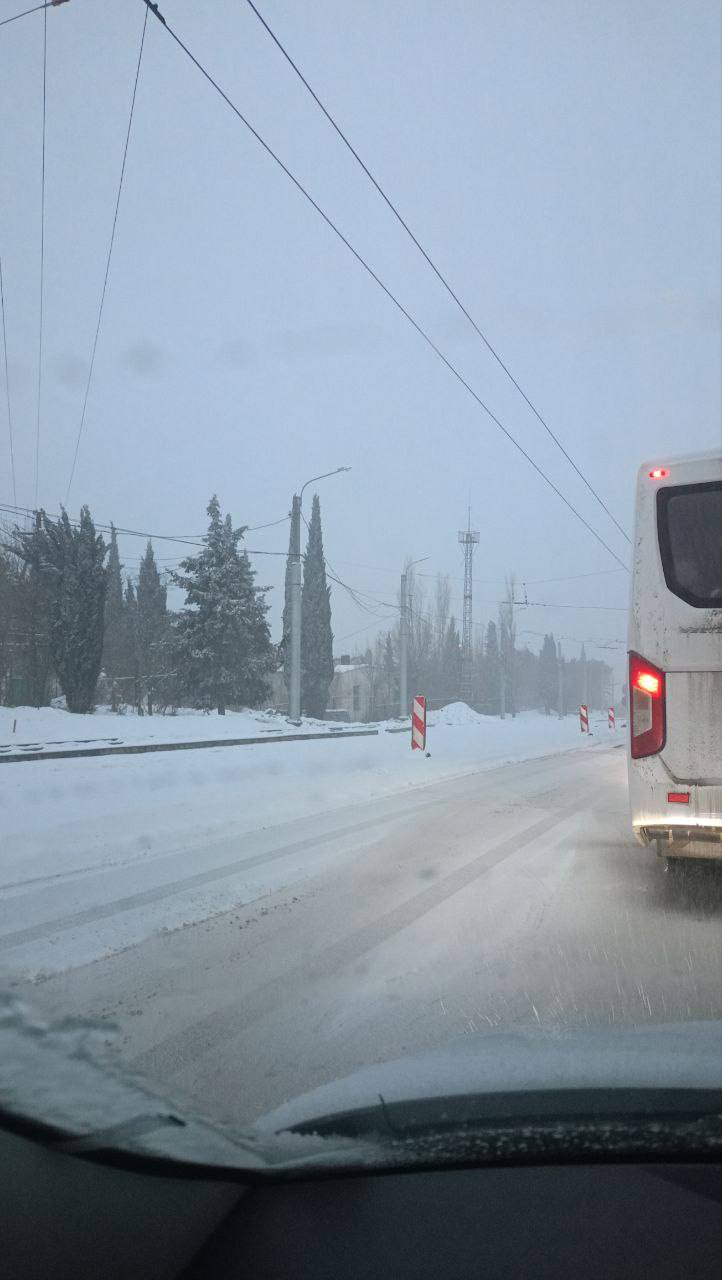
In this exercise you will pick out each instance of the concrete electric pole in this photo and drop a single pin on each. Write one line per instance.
(403, 651)
(404, 638)
(560, 680)
(294, 551)
(468, 539)
(294, 688)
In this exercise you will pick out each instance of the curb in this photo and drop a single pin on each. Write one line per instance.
(143, 748)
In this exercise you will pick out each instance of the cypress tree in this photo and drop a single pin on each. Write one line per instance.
(152, 613)
(113, 640)
(548, 676)
(316, 633)
(70, 561)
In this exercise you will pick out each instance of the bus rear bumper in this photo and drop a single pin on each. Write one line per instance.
(686, 828)
(683, 842)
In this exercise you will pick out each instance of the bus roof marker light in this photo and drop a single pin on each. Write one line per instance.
(658, 473)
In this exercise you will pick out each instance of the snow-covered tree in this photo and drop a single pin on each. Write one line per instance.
(222, 641)
(316, 633)
(70, 560)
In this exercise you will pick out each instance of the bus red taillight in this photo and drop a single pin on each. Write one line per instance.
(647, 707)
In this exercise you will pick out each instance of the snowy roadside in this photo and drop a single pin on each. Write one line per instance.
(49, 726)
(80, 833)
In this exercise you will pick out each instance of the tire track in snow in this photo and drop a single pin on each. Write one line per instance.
(178, 1050)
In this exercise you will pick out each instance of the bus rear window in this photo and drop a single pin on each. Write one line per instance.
(689, 519)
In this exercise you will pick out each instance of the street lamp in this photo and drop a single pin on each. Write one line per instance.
(404, 640)
(294, 690)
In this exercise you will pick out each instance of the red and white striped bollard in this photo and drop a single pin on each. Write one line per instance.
(418, 723)
(584, 718)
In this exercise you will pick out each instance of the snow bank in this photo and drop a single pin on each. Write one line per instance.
(456, 713)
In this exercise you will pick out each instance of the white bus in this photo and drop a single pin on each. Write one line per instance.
(675, 658)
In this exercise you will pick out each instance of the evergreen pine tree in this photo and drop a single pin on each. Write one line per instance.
(222, 638)
(113, 640)
(70, 561)
(316, 633)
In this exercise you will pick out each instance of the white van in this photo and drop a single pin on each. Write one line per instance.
(675, 658)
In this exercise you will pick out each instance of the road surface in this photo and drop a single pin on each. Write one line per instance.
(512, 896)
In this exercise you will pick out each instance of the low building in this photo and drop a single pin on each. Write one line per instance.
(349, 697)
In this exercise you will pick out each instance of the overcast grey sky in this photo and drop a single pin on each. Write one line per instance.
(559, 160)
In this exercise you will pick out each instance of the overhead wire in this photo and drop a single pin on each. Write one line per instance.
(110, 254)
(331, 573)
(42, 255)
(391, 296)
(36, 9)
(7, 382)
(189, 540)
(442, 278)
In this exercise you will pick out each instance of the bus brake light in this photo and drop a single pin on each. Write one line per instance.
(659, 473)
(648, 682)
(648, 720)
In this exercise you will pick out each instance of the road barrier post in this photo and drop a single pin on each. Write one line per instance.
(418, 723)
(584, 718)
(611, 719)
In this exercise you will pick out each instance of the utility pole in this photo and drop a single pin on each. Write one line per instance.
(294, 552)
(403, 651)
(468, 538)
(560, 680)
(294, 688)
(585, 678)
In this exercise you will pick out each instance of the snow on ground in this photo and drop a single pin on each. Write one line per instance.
(53, 726)
(81, 833)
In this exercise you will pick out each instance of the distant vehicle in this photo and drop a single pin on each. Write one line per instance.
(675, 658)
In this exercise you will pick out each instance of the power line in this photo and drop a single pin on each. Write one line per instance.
(434, 268)
(42, 257)
(598, 608)
(572, 577)
(392, 297)
(253, 528)
(7, 382)
(331, 573)
(186, 539)
(350, 634)
(110, 252)
(25, 13)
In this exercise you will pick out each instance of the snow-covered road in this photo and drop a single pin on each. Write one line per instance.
(380, 928)
(100, 854)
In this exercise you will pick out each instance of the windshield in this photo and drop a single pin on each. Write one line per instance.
(690, 538)
(333, 338)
